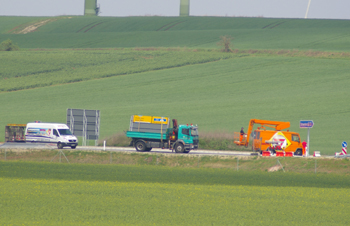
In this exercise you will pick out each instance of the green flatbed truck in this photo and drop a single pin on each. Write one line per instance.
(149, 132)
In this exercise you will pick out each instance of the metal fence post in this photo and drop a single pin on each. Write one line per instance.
(315, 165)
(278, 162)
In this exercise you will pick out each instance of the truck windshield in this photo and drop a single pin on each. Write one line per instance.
(295, 138)
(64, 132)
(194, 132)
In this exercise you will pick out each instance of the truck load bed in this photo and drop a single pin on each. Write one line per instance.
(149, 124)
(145, 135)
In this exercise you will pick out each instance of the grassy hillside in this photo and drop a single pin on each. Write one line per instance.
(191, 32)
(221, 95)
(30, 69)
(219, 92)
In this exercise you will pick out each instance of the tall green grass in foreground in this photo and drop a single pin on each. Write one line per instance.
(56, 194)
(190, 161)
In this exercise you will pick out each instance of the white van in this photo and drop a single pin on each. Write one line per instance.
(51, 133)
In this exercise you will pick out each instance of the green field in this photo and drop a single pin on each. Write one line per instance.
(220, 95)
(63, 194)
(45, 68)
(281, 69)
(191, 32)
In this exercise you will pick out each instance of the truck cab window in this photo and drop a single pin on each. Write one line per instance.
(194, 132)
(185, 131)
(295, 138)
(55, 132)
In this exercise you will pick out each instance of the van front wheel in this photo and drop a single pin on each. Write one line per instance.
(59, 145)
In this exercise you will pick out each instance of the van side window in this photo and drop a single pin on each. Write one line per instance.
(55, 132)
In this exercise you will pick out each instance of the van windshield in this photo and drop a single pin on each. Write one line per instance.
(64, 132)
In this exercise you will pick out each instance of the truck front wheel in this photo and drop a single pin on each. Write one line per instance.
(140, 146)
(179, 148)
(298, 152)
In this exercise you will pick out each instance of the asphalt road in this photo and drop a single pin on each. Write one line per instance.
(19, 145)
(12, 145)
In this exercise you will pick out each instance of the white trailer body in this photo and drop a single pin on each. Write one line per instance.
(51, 133)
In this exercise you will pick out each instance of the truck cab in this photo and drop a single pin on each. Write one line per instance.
(277, 141)
(188, 137)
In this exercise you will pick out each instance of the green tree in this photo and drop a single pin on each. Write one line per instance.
(8, 45)
(225, 42)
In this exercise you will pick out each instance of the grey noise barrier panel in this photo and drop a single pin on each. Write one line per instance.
(84, 123)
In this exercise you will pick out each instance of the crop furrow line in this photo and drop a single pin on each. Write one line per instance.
(277, 25)
(173, 25)
(83, 28)
(159, 29)
(93, 27)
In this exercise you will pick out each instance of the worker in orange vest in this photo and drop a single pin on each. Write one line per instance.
(242, 133)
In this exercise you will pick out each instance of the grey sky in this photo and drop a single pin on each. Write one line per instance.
(329, 9)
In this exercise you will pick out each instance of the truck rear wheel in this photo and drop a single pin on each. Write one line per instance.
(179, 148)
(140, 146)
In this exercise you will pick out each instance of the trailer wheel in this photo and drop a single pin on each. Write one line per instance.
(179, 148)
(148, 149)
(59, 145)
(140, 146)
